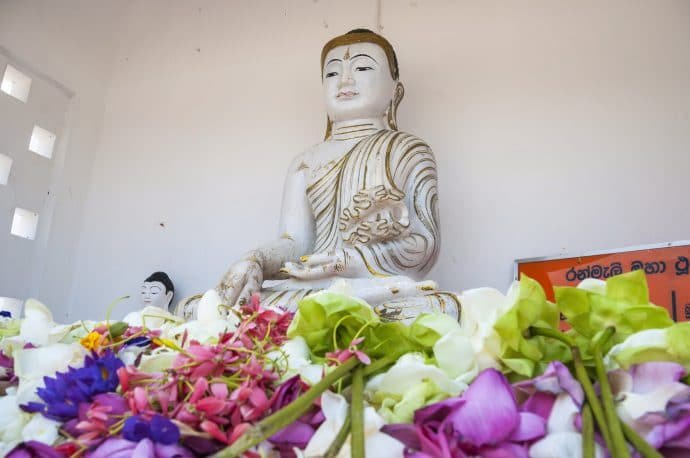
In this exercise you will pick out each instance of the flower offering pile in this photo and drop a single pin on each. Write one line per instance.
(334, 380)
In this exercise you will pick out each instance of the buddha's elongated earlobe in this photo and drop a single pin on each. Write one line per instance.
(392, 112)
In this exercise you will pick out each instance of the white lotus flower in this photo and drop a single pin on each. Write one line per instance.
(481, 308)
(152, 317)
(409, 385)
(649, 339)
(335, 409)
(12, 420)
(561, 445)
(211, 320)
(293, 357)
(32, 364)
(562, 439)
(455, 356)
(41, 429)
(37, 323)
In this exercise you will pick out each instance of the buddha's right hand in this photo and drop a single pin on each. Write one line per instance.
(243, 279)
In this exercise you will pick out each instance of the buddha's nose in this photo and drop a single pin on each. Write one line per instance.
(346, 80)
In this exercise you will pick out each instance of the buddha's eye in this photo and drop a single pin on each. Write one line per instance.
(331, 74)
(363, 69)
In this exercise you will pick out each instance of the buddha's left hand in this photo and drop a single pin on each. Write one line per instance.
(337, 263)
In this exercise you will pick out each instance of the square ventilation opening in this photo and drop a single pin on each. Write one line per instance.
(24, 223)
(5, 167)
(42, 142)
(16, 84)
(10, 306)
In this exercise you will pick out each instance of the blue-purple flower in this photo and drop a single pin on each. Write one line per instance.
(63, 393)
(159, 429)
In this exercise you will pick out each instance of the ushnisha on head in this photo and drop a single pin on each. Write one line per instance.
(360, 78)
(157, 290)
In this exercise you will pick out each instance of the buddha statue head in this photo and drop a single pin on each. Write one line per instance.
(157, 290)
(360, 78)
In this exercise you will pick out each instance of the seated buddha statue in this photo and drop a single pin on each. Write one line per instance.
(360, 209)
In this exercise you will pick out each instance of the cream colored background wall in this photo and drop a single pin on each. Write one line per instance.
(71, 43)
(558, 127)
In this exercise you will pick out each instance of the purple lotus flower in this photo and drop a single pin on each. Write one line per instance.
(651, 399)
(7, 369)
(146, 448)
(159, 429)
(485, 421)
(34, 449)
(63, 393)
(298, 433)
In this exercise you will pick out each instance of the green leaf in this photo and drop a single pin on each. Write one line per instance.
(427, 328)
(330, 321)
(531, 308)
(117, 329)
(630, 288)
(623, 304)
(572, 301)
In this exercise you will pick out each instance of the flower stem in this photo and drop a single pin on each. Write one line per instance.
(379, 364)
(548, 332)
(339, 440)
(582, 377)
(591, 395)
(357, 414)
(587, 432)
(641, 445)
(288, 414)
(620, 447)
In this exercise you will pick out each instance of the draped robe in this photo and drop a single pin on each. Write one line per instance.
(380, 199)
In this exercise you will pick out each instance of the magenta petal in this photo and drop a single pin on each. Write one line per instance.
(505, 450)
(405, 433)
(489, 414)
(296, 434)
(555, 379)
(672, 434)
(531, 427)
(649, 376)
(540, 403)
(438, 411)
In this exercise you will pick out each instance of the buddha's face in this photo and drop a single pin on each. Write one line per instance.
(154, 293)
(357, 82)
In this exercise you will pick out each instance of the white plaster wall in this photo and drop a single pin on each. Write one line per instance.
(558, 127)
(71, 42)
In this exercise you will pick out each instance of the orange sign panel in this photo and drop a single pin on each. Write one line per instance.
(667, 267)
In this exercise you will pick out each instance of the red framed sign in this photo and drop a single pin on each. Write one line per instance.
(667, 267)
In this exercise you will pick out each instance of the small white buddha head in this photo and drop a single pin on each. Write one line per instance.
(157, 290)
(360, 78)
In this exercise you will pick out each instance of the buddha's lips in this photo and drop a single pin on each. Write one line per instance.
(347, 94)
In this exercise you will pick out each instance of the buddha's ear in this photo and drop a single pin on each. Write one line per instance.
(392, 111)
(169, 296)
